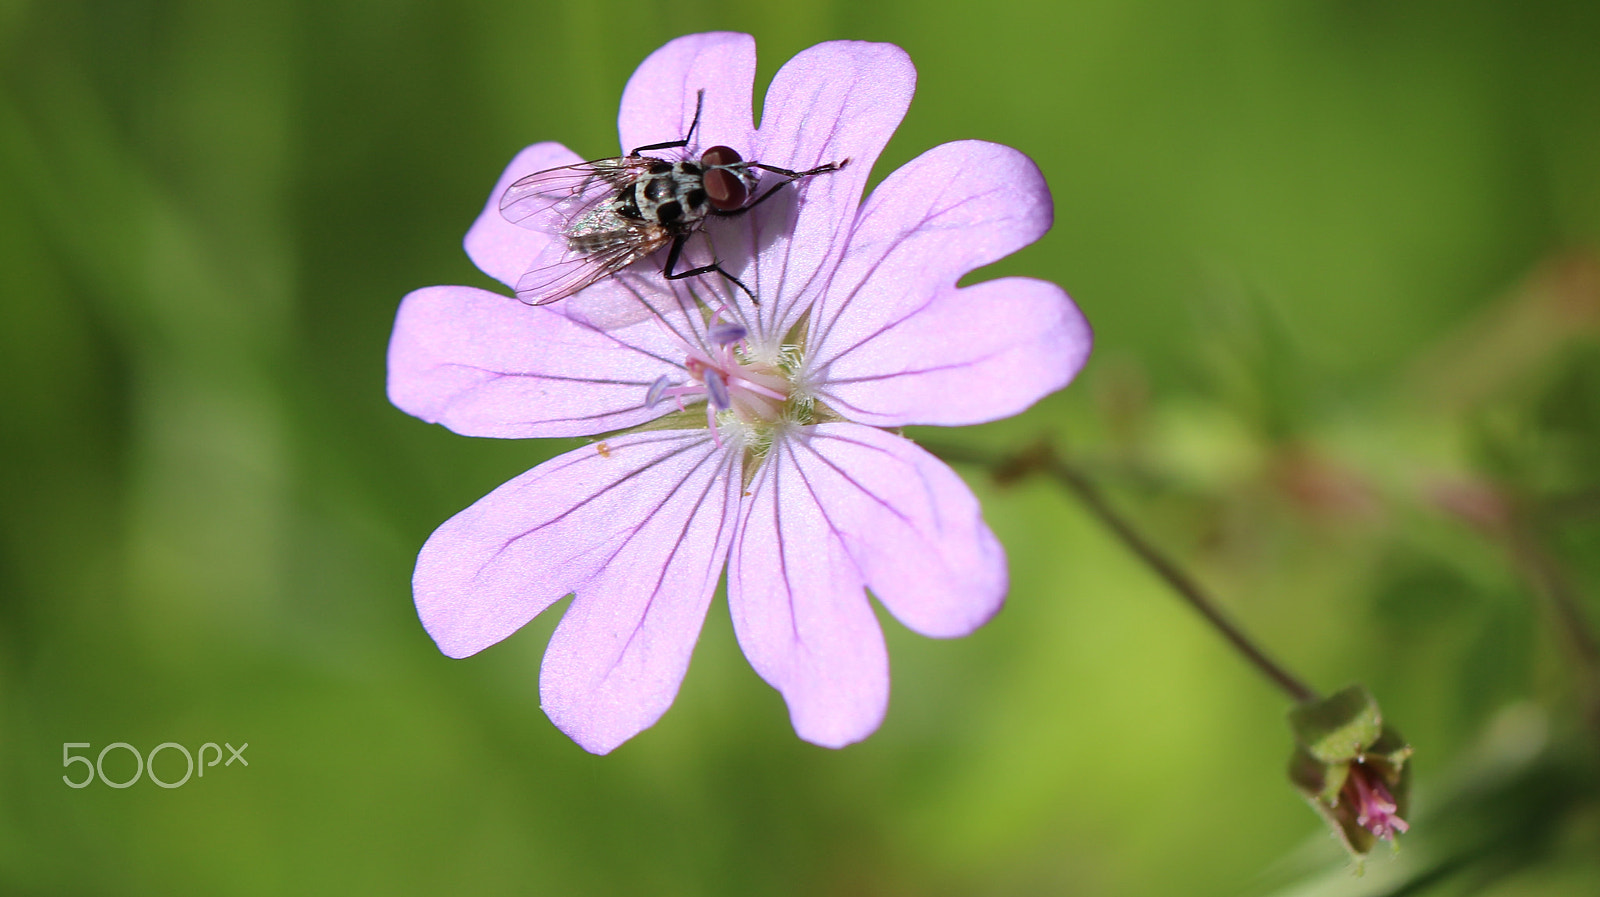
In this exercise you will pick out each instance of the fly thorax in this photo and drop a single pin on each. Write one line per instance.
(670, 195)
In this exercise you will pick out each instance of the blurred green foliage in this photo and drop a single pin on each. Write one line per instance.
(1343, 260)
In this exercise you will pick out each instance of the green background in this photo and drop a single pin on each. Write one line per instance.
(1341, 259)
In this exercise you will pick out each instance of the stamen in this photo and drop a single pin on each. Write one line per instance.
(727, 333)
(657, 390)
(1375, 807)
(717, 390)
(739, 391)
(747, 383)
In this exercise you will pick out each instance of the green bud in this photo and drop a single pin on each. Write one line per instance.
(1337, 729)
(1351, 768)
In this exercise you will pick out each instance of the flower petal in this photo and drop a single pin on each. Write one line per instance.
(832, 102)
(617, 658)
(499, 248)
(893, 310)
(484, 364)
(913, 527)
(838, 507)
(969, 356)
(954, 208)
(659, 102)
(835, 101)
(638, 527)
(800, 613)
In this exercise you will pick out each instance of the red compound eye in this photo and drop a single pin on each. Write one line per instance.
(721, 155)
(724, 189)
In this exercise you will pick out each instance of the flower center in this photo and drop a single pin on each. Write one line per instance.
(744, 392)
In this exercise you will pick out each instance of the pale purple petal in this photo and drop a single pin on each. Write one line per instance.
(894, 342)
(837, 508)
(956, 207)
(617, 658)
(972, 355)
(831, 102)
(800, 611)
(658, 103)
(499, 248)
(484, 364)
(915, 530)
(638, 527)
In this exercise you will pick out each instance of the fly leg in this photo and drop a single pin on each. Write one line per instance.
(789, 178)
(676, 251)
(794, 175)
(699, 98)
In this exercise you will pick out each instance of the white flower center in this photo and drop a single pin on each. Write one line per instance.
(751, 394)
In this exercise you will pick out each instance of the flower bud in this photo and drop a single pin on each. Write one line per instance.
(1351, 767)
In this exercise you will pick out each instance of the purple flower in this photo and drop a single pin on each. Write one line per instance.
(756, 438)
(1369, 800)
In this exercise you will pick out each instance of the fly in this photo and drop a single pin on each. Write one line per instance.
(613, 212)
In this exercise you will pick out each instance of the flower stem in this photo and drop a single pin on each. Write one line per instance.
(1547, 577)
(1043, 459)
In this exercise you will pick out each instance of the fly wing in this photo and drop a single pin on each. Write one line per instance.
(551, 200)
(573, 265)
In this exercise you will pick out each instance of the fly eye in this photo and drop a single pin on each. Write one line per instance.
(724, 189)
(721, 155)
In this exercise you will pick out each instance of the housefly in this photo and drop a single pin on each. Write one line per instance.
(612, 212)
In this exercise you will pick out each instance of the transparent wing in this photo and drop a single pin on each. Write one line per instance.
(568, 269)
(551, 200)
